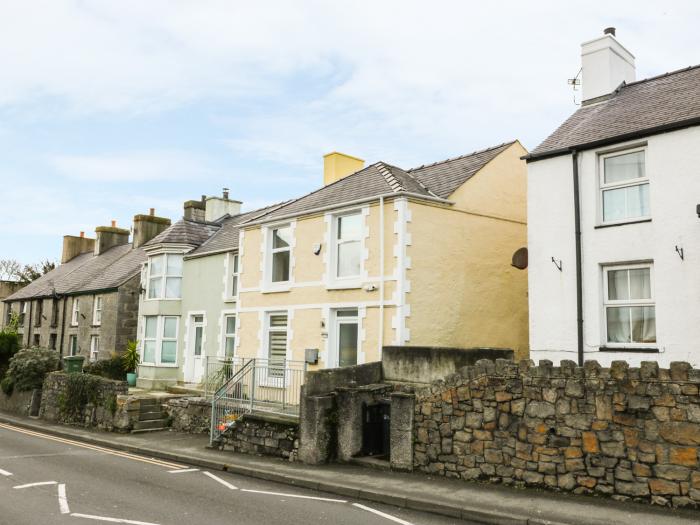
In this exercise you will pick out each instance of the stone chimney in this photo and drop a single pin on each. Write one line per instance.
(605, 64)
(75, 245)
(338, 165)
(217, 207)
(194, 210)
(109, 237)
(148, 226)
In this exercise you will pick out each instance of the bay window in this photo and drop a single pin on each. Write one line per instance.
(624, 186)
(630, 312)
(165, 276)
(160, 339)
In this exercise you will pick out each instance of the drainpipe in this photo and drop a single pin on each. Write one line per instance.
(63, 325)
(28, 322)
(381, 276)
(579, 275)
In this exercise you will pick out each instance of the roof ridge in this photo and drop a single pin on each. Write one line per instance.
(463, 156)
(657, 77)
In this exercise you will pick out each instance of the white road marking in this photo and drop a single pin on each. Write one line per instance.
(382, 514)
(180, 471)
(217, 478)
(62, 499)
(294, 496)
(34, 484)
(5, 473)
(111, 520)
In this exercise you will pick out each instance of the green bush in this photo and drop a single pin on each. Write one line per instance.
(29, 367)
(9, 346)
(7, 385)
(112, 368)
(80, 389)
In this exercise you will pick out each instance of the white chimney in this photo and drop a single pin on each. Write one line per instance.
(605, 65)
(217, 207)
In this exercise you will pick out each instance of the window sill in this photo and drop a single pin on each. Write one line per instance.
(96, 326)
(630, 349)
(162, 365)
(340, 285)
(154, 299)
(625, 223)
(276, 289)
(231, 300)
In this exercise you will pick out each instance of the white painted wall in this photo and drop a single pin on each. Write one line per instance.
(673, 167)
(605, 65)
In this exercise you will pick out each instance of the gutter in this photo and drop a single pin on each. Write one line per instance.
(656, 130)
(345, 204)
(579, 273)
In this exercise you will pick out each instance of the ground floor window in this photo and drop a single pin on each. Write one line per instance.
(37, 340)
(160, 339)
(94, 347)
(346, 330)
(630, 310)
(52, 341)
(230, 335)
(73, 345)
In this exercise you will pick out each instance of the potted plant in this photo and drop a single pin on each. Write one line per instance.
(131, 360)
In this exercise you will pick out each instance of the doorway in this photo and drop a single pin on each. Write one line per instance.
(194, 371)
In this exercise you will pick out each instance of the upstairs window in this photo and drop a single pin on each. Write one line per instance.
(23, 308)
(233, 274)
(75, 313)
(39, 312)
(624, 187)
(165, 276)
(280, 253)
(630, 312)
(54, 312)
(348, 245)
(97, 311)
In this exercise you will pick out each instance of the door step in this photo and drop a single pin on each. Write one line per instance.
(151, 424)
(375, 462)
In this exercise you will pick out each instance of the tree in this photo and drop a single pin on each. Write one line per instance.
(12, 270)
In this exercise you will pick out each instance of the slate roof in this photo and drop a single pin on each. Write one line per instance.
(86, 273)
(226, 237)
(444, 177)
(672, 99)
(185, 232)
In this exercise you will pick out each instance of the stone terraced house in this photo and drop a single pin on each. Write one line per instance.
(88, 304)
(377, 256)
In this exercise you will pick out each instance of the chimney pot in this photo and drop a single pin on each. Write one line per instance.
(114, 223)
(226, 193)
(82, 235)
(152, 212)
(609, 31)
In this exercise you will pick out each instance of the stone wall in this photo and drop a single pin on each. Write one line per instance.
(630, 433)
(189, 414)
(263, 434)
(111, 411)
(20, 403)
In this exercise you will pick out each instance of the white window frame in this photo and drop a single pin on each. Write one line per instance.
(275, 380)
(233, 275)
(269, 284)
(350, 281)
(94, 347)
(603, 187)
(75, 311)
(226, 335)
(97, 311)
(628, 303)
(73, 348)
(160, 294)
(158, 339)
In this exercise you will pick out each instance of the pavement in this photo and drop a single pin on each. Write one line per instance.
(474, 502)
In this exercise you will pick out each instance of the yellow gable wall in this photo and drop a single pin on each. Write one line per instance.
(464, 291)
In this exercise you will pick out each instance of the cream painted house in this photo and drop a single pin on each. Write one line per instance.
(377, 256)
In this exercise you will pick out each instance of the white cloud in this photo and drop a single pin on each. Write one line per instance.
(133, 166)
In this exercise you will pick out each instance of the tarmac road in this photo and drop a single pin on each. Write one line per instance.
(50, 480)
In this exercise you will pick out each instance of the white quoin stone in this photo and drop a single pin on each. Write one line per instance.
(605, 65)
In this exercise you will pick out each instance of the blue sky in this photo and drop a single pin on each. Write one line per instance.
(110, 108)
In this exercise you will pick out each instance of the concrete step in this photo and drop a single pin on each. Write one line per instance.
(375, 462)
(149, 403)
(191, 391)
(144, 430)
(151, 424)
(150, 415)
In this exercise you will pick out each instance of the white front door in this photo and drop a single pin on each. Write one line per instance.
(194, 370)
(346, 327)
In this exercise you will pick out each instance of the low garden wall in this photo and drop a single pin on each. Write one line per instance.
(20, 403)
(630, 433)
(86, 400)
(189, 414)
(263, 434)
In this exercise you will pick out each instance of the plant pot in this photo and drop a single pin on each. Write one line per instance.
(131, 378)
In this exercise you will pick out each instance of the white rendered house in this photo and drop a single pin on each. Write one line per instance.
(613, 225)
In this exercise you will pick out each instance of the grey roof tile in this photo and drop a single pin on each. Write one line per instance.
(185, 231)
(672, 98)
(444, 177)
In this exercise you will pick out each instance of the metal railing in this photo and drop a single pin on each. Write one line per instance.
(218, 371)
(256, 385)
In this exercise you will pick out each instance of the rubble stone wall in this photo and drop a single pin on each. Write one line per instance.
(630, 433)
(265, 435)
(189, 414)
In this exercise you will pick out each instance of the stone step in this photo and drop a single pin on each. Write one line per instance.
(149, 403)
(375, 462)
(191, 391)
(151, 424)
(150, 415)
(144, 430)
